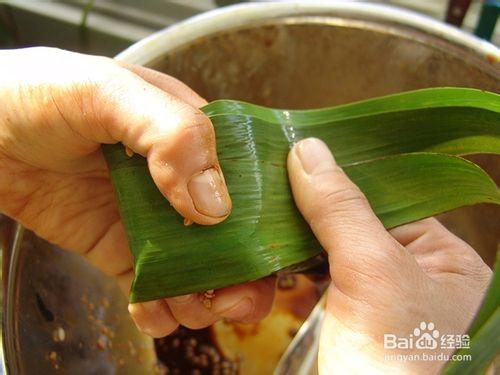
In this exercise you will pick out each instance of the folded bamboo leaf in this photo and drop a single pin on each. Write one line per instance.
(484, 334)
(382, 145)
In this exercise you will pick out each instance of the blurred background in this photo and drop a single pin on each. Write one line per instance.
(107, 27)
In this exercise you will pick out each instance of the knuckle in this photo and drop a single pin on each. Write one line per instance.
(198, 126)
(107, 79)
(193, 139)
(162, 170)
(470, 263)
(344, 199)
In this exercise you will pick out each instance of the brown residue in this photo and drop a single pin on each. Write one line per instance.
(207, 298)
(53, 359)
(101, 342)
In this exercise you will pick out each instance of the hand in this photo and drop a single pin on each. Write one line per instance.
(382, 282)
(56, 109)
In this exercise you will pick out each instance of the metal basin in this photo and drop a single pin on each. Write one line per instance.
(291, 55)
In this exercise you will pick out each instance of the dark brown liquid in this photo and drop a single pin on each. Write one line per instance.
(197, 352)
(193, 352)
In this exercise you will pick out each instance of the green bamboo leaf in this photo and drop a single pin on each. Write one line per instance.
(484, 334)
(445, 120)
(409, 187)
(382, 145)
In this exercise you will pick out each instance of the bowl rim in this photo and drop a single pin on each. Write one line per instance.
(241, 15)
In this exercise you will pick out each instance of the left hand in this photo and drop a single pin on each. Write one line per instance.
(57, 108)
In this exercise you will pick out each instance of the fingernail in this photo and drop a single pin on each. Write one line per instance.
(231, 310)
(313, 154)
(209, 193)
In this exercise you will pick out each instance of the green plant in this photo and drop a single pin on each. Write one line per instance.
(484, 333)
(401, 150)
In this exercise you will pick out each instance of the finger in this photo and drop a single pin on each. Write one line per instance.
(438, 251)
(111, 253)
(110, 104)
(153, 318)
(167, 83)
(249, 302)
(177, 139)
(408, 233)
(190, 311)
(427, 236)
(340, 216)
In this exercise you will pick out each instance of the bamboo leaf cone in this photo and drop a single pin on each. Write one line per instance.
(401, 150)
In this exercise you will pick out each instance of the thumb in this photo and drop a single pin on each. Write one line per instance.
(359, 248)
(176, 137)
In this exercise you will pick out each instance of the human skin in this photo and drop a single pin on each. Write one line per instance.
(57, 108)
(382, 281)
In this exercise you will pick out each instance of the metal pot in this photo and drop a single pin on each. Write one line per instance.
(58, 312)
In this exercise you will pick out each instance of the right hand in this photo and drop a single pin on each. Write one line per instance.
(382, 282)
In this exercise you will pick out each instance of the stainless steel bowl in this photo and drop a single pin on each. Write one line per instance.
(58, 312)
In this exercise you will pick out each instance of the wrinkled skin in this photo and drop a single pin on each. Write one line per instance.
(382, 282)
(57, 107)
